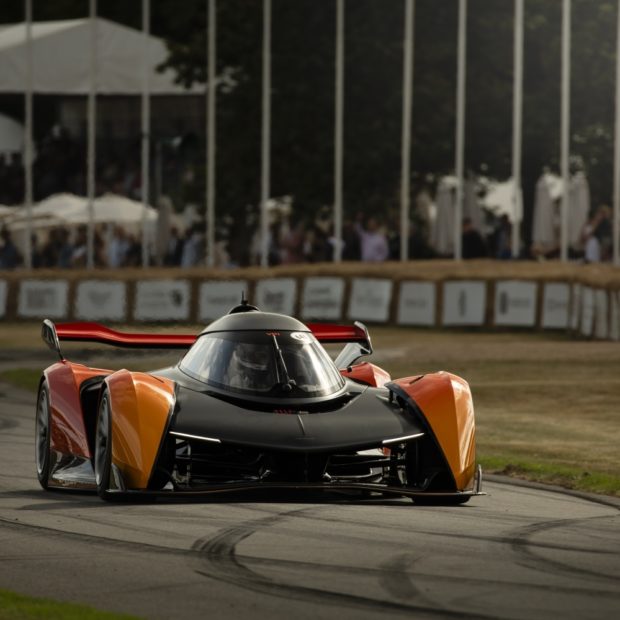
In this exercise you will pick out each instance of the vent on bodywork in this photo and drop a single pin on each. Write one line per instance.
(324, 406)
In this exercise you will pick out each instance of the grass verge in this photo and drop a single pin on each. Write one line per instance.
(23, 378)
(19, 607)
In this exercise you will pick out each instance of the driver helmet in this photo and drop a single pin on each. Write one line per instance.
(252, 358)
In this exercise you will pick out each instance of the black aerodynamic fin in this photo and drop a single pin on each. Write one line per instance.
(244, 306)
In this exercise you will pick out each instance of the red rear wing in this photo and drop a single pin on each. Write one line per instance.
(93, 332)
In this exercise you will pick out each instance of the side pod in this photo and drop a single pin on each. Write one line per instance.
(141, 407)
(446, 403)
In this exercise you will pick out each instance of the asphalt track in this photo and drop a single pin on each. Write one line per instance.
(517, 553)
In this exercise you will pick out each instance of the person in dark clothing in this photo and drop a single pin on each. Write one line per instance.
(473, 245)
(9, 255)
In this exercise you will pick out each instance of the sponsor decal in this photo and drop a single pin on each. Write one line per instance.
(601, 314)
(162, 300)
(101, 299)
(43, 299)
(276, 295)
(556, 305)
(587, 311)
(416, 303)
(515, 303)
(464, 302)
(216, 298)
(370, 299)
(3, 290)
(322, 298)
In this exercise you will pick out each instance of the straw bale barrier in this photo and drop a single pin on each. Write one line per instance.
(584, 299)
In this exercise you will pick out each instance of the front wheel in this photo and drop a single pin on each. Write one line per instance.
(42, 436)
(103, 448)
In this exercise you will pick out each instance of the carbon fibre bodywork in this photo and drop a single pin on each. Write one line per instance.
(173, 434)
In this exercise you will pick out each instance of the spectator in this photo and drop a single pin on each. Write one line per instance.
(174, 251)
(473, 245)
(117, 248)
(80, 249)
(373, 242)
(9, 255)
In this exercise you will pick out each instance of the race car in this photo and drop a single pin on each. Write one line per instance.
(256, 403)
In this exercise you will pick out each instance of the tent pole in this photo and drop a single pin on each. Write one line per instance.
(211, 93)
(406, 129)
(460, 127)
(266, 135)
(565, 127)
(90, 180)
(28, 151)
(517, 112)
(146, 126)
(338, 130)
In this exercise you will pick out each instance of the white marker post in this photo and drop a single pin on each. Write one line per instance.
(460, 128)
(338, 130)
(616, 232)
(266, 135)
(517, 134)
(146, 125)
(28, 150)
(565, 128)
(211, 92)
(91, 154)
(406, 129)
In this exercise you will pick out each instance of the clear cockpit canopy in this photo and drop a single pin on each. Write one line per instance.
(257, 363)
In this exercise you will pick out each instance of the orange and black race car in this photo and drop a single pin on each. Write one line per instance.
(256, 403)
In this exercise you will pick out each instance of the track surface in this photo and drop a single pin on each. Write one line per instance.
(517, 553)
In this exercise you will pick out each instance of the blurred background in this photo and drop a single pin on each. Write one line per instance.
(402, 147)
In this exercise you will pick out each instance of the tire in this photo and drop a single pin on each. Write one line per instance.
(449, 500)
(42, 436)
(103, 449)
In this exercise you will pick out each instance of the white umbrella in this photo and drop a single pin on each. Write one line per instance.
(544, 224)
(471, 205)
(11, 135)
(578, 207)
(443, 232)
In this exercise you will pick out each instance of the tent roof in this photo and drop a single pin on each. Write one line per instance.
(61, 59)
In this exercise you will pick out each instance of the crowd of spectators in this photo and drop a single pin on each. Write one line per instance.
(293, 235)
(290, 240)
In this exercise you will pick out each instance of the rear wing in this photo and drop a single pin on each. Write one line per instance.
(355, 335)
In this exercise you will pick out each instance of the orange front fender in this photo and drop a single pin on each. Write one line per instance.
(446, 402)
(141, 406)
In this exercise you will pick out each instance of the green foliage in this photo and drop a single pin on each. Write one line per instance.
(303, 91)
(19, 607)
(23, 378)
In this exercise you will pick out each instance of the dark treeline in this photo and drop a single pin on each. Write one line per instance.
(303, 90)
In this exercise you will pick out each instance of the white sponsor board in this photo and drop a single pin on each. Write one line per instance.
(322, 298)
(556, 305)
(3, 289)
(601, 314)
(575, 306)
(276, 295)
(216, 298)
(101, 299)
(370, 299)
(43, 299)
(515, 303)
(614, 315)
(464, 302)
(162, 300)
(416, 303)
(587, 311)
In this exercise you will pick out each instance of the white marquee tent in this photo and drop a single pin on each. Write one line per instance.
(61, 62)
(71, 210)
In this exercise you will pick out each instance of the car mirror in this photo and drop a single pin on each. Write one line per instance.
(50, 337)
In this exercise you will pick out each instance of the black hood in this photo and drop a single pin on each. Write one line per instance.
(358, 419)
